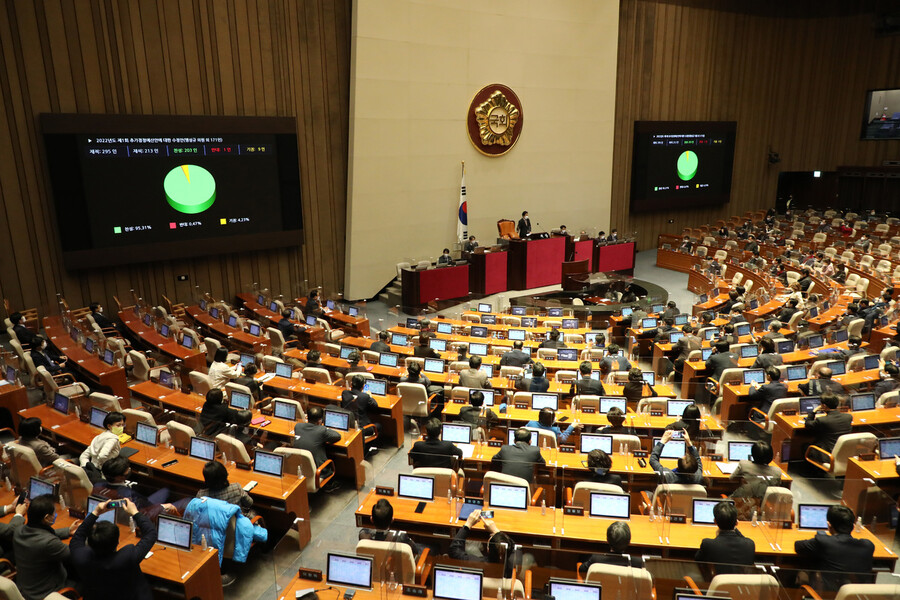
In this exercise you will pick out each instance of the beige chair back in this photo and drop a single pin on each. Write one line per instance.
(9, 591)
(76, 487)
(391, 559)
(677, 498)
(318, 374)
(232, 448)
(777, 504)
(140, 366)
(625, 582)
(181, 434)
(276, 339)
(23, 464)
(546, 439)
(632, 442)
(511, 588)
(200, 382)
(294, 459)
(850, 445)
(745, 587)
(107, 402)
(581, 495)
(497, 477)
(414, 398)
(869, 591)
(444, 480)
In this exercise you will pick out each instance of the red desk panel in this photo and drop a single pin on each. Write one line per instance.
(420, 287)
(616, 257)
(535, 263)
(584, 251)
(487, 272)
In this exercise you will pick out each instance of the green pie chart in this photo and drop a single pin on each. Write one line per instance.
(190, 189)
(687, 165)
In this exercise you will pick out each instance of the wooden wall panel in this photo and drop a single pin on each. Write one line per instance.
(178, 57)
(796, 84)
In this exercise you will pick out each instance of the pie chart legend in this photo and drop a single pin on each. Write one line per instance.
(190, 189)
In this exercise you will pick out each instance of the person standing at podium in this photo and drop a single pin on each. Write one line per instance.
(524, 226)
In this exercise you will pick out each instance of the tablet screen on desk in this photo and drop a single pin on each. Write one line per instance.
(841, 335)
(838, 367)
(434, 365)
(214, 312)
(710, 334)
(608, 403)
(337, 420)
(283, 370)
(487, 370)
(202, 448)
(610, 506)
(516, 334)
(146, 433)
(456, 433)
(511, 439)
(254, 329)
(353, 311)
(232, 321)
(518, 310)
(147, 320)
(61, 403)
(375, 387)
(872, 361)
(509, 496)
(809, 404)
(478, 331)
(457, 584)
(346, 351)
(751, 375)
(626, 312)
(815, 341)
(813, 516)
(749, 351)
(10, 374)
(648, 323)
(488, 396)
(889, 447)
(574, 590)
(97, 417)
(742, 329)
(174, 532)
(864, 401)
(489, 319)
(89, 346)
(164, 330)
(554, 312)
(675, 408)
(478, 349)
(591, 441)
(539, 401)
(268, 463)
(352, 571)
(570, 323)
(109, 357)
(812, 313)
(399, 339)
(796, 372)
(529, 321)
(239, 400)
(188, 342)
(39, 487)
(284, 410)
(657, 308)
(437, 345)
(739, 450)
(703, 510)
(705, 353)
(675, 336)
(484, 307)
(567, 354)
(412, 323)
(388, 359)
(444, 328)
(649, 377)
(785, 346)
(754, 304)
(311, 320)
(682, 319)
(415, 486)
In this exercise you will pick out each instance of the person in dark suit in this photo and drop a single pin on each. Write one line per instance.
(767, 356)
(470, 245)
(101, 319)
(43, 356)
(683, 347)
(762, 396)
(515, 357)
(853, 348)
(315, 437)
(423, 350)
(729, 552)
(827, 423)
(360, 403)
(445, 258)
(474, 413)
(313, 359)
(671, 310)
(584, 384)
(538, 381)
(381, 344)
(661, 334)
(613, 236)
(752, 244)
(313, 306)
(115, 484)
(774, 331)
(500, 547)
(524, 225)
(689, 468)
(216, 415)
(728, 334)
(248, 380)
(720, 360)
(785, 314)
(837, 551)
(288, 329)
(382, 519)
(618, 536)
(433, 451)
(106, 571)
(821, 384)
(552, 340)
(599, 464)
(40, 551)
(614, 360)
(635, 387)
(891, 383)
(23, 334)
(519, 458)
(616, 418)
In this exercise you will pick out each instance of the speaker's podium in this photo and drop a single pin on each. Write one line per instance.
(534, 263)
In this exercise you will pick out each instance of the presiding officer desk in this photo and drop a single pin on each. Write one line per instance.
(184, 574)
(280, 500)
(347, 453)
(85, 363)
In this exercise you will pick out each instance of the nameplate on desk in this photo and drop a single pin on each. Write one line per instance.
(715, 457)
(867, 456)
(784, 524)
(677, 518)
(242, 466)
(495, 444)
(790, 412)
(310, 381)
(459, 401)
(656, 413)
(309, 574)
(266, 411)
(381, 490)
(419, 591)
(640, 453)
(180, 451)
(575, 511)
(522, 406)
(567, 449)
(588, 411)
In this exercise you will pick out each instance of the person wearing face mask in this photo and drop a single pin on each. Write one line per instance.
(43, 356)
(104, 446)
(99, 318)
(40, 551)
(599, 463)
(445, 259)
(29, 435)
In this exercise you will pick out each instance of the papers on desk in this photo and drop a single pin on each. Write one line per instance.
(727, 467)
(266, 377)
(467, 449)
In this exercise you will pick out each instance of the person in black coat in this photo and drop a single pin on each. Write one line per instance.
(762, 396)
(381, 345)
(837, 551)
(382, 519)
(313, 306)
(515, 357)
(599, 463)
(433, 451)
(537, 382)
(822, 384)
(720, 360)
(43, 356)
(552, 340)
(827, 423)
(729, 552)
(785, 314)
(248, 380)
(288, 329)
(107, 573)
(891, 383)
(767, 356)
(618, 536)
(500, 547)
(360, 403)
(23, 334)
(524, 225)
(616, 418)
(519, 458)
(423, 350)
(585, 385)
(315, 437)
(100, 319)
(216, 415)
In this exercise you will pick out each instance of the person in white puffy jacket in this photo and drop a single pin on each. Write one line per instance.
(105, 445)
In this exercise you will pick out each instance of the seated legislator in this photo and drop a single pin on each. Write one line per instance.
(29, 435)
(104, 446)
(762, 396)
(822, 384)
(888, 384)
(546, 421)
(827, 423)
(23, 334)
(515, 357)
(8, 530)
(105, 571)
(599, 463)
(381, 344)
(314, 437)
(288, 329)
(774, 331)
(684, 346)
(538, 381)
(473, 377)
(215, 416)
(248, 380)
(43, 356)
(755, 475)
(215, 477)
(720, 360)
(767, 356)
(313, 306)
(314, 359)
(729, 552)
(220, 372)
(101, 319)
(671, 310)
(433, 451)
(616, 418)
(728, 335)
(445, 258)
(361, 404)
(613, 360)
(689, 469)
(552, 340)
(353, 360)
(785, 314)
(475, 414)
(618, 536)
(115, 485)
(519, 458)
(423, 350)
(837, 551)
(40, 552)
(500, 547)
(470, 245)
(584, 384)
(853, 348)
(382, 519)
(635, 386)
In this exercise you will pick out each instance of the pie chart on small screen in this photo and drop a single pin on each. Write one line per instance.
(190, 189)
(687, 165)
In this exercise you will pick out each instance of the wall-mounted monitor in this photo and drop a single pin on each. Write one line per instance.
(881, 120)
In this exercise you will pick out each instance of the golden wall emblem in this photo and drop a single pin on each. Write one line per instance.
(495, 120)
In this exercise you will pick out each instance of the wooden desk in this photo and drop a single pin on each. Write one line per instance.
(232, 337)
(268, 318)
(193, 574)
(438, 283)
(148, 338)
(337, 319)
(13, 397)
(865, 476)
(279, 499)
(86, 364)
